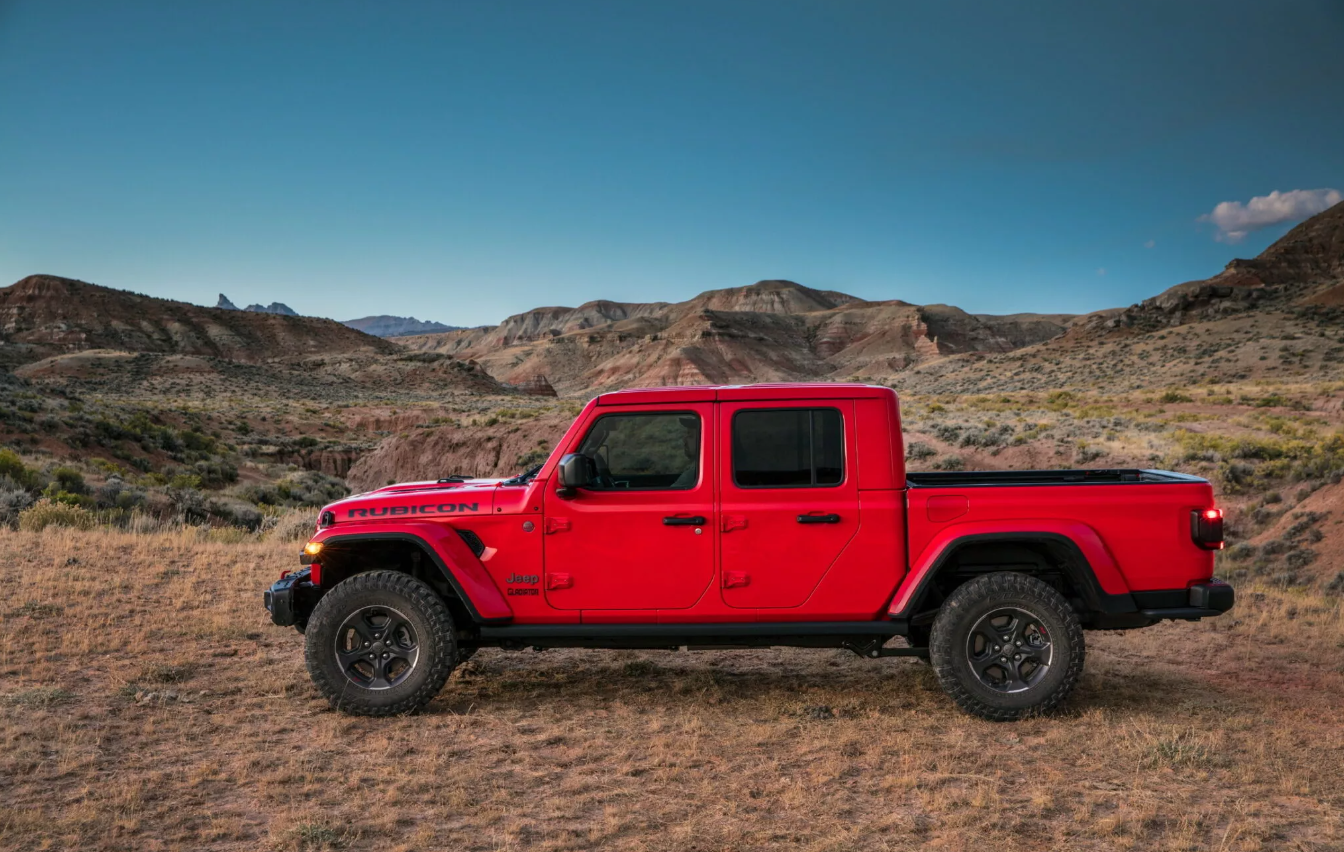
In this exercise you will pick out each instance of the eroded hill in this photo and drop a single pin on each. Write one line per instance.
(45, 315)
(769, 331)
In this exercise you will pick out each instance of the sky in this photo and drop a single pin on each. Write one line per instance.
(461, 162)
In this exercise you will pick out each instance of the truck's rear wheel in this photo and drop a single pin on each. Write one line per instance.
(1006, 646)
(379, 644)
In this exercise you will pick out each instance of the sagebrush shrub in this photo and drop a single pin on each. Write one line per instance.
(49, 513)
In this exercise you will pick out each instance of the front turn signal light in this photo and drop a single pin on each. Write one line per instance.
(312, 548)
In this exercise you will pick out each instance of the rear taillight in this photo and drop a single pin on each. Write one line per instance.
(1206, 528)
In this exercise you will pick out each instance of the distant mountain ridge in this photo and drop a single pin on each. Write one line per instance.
(273, 308)
(390, 326)
(772, 330)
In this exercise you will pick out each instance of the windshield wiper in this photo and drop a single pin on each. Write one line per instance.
(523, 478)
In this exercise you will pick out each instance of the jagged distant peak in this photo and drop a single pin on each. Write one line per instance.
(224, 304)
(273, 308)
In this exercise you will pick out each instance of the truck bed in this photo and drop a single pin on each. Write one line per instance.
(983, 478)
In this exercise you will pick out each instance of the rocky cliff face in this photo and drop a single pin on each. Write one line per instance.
(769, 331)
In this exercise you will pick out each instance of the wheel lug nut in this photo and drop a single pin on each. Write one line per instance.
(1018, 657)
(385, 656)
(366, 644)
(996, 649)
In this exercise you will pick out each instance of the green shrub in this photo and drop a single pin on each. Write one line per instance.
(49, 513)
(13, 467)
(69, 480)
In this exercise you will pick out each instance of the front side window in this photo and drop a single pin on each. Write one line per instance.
(788, 448)
(645, 451)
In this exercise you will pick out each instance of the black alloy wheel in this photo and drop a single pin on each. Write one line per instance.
(376, 647)
(380, 643)
(1006, 646)
(1009, 650)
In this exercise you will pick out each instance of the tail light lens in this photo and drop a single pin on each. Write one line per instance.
(1206, 528)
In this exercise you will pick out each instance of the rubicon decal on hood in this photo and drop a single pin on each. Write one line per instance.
(428, 509)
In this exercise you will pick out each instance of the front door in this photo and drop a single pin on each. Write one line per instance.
(641, 535)
(790, 499)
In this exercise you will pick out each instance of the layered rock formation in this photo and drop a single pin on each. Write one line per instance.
(44, 315)
(769, 331)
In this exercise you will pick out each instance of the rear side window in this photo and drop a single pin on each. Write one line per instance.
(788, 448)
(644, 452)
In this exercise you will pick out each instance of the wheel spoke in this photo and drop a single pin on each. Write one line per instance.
(983, 664)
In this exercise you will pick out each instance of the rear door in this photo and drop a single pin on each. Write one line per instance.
(641, 536)
(789, 498)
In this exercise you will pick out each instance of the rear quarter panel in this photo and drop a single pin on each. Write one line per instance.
(1144, 527)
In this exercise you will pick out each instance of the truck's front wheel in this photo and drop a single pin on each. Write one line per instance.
(1006, 646)
(379, 644)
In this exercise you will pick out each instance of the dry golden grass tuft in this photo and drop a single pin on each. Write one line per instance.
(146, 703)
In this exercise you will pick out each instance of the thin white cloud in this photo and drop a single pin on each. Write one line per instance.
(1101, 271)
(1235, 220)
(1150, 244)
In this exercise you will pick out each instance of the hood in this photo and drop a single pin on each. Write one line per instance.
(418, 499)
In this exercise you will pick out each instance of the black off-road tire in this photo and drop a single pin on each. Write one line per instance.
(359, 604)
(1000, 692)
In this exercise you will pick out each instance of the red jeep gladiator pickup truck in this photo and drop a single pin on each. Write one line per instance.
(713, 517)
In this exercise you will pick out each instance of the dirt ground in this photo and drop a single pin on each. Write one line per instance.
(146, 703)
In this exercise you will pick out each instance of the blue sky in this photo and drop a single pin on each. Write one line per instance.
(461, 162)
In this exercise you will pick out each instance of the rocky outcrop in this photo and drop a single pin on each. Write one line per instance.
(536, 386)
(224, 304)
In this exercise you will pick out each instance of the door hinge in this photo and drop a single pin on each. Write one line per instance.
(559, 581)
(555, 525)
(736, 579)
(734, 522)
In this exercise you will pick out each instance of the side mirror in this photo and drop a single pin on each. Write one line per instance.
(575, 472)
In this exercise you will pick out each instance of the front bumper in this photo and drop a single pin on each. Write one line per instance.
(291, 600)
(1203, 600)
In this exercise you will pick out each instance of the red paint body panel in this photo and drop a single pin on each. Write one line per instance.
(1140, 536)
(615, 546)
(859, 583)
(783, 560)
(442, 538)
(606, 557)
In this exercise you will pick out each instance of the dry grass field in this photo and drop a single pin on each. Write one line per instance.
(146, 703)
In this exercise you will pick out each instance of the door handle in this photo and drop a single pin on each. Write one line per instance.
(819, 519)
(674, 521)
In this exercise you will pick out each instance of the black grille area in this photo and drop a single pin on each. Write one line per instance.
(473, 541)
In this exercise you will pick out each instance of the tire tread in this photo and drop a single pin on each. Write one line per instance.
(1002, 585)
(443, 644)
